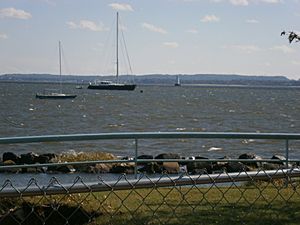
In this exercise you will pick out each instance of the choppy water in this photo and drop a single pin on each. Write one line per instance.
(151, 108)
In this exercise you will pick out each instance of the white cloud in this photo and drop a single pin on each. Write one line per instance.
(87, 25)
(239, 2)
(3, 36)
(247, 2)
(192, 31)
(244, 48)
(14, 13)
(270, 1)
(210, 18)
(121, 7)
(171, 44)
(252, 21)
(153, 28)
(283, 48)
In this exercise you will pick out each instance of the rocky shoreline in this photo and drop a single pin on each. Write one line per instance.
(191, 167)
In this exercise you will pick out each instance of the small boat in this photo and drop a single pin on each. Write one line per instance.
(109, 85)
(53, 93)
(178, 82)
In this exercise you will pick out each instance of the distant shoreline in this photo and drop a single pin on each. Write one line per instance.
(209, 85)
(201, 80)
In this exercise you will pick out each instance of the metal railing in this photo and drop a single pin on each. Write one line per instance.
(243, 197)
(136, 136)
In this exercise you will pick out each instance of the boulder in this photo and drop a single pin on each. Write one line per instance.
(170, 167)
(145, 157)
(99, 168)
(199, 167)
(283, 161)
(168, 156)
(150, 168)
(220, 167)
(28, 158)
(279, 157)
(233, 167)
(127, 168)
(9, 170)
(44, 158)
(10, 156)
(62, 169)
(251, 156)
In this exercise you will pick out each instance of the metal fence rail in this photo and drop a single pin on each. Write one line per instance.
(259, 196)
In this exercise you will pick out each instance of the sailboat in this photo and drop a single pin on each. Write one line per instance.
(109, 85)
(52, 93)
(178, 82)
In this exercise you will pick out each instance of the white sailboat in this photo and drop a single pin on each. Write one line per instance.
(109, 85)
(52, 93)
(178, 82)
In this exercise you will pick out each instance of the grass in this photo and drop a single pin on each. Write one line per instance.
(263, 203)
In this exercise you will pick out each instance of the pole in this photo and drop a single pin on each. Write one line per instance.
(117, 48)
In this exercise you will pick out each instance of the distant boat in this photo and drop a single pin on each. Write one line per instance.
(109, 85)
(53, 93)
(178, 82)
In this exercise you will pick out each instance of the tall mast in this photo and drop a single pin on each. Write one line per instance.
(59, 52)
(117, 48)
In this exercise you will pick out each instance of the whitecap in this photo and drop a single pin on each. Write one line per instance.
(247, 141)
(214, 149)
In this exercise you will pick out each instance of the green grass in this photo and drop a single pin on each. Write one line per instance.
(264, 203)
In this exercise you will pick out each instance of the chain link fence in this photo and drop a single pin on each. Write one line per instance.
(210, 191)
(245, 197)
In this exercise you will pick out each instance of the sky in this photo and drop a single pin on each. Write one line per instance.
(162, 36)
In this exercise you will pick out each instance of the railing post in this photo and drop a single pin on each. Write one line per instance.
(136, 159)
(287, 153)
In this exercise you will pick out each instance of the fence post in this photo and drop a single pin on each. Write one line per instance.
(136, 158)
(287, 153)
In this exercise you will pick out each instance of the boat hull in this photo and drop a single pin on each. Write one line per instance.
(49, 96)
(120, 87)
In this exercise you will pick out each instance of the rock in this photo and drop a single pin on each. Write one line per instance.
(170, 167)
(199, 167)
(62, 168)
(219, 167)
(283, 161)
(28, 158)
(151, 168)
(251, 156)
(42, 159)
(271, 166)
(279, 157)
(168, 156)
(127, 168)
(145, 157)
(49, 155)
(99, 168)
(10, 170)
(10, 156)
(232, 167)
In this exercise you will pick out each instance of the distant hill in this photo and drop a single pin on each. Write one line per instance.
(158, 79)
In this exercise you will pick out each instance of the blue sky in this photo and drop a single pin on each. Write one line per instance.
(162, 36)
